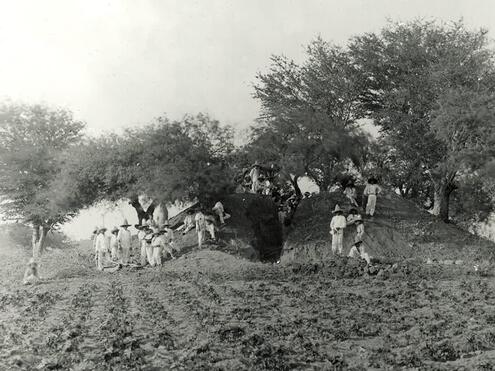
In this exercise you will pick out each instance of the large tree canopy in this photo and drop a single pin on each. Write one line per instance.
(430, 87)
(308, 121)
(164, 160)
(32, 140)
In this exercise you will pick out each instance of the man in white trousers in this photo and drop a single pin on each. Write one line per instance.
(220, 211)
(337, 225)
(101, 249)
(124, 239)
(142, 243)
(200, 227)
(372, 190)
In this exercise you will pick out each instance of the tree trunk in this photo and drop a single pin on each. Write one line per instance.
(38, 239)
(296, 186)
(141, 213)
(441, 199)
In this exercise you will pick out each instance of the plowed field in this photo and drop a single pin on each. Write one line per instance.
(210, 310)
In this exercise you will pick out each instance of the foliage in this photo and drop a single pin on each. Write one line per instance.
(308, 115)
(419, 76)
(164, 160)
(399, 170)
(473, 201)
(32, 138)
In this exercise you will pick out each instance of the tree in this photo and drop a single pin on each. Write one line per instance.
(164, 160)
(307, 123)
(398, 169)
(32, 138)
(417, 77)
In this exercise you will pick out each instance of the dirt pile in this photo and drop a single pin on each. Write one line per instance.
(398, 231)
(252, 232)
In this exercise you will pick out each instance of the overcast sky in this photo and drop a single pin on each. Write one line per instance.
(121, 63)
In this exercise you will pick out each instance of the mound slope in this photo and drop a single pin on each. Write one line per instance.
(399, 230)
(253, 231)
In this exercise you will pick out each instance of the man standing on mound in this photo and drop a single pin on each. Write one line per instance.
(372, 190)
(219, 210)
(200, 227)
(337, 226)
(124, 239)
(254, 174)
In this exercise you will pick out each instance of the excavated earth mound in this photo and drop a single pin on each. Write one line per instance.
(252, 232)
(398, 231)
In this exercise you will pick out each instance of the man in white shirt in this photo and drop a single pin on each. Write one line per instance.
(210, 225)
(200, 227)
(101, 248)
(93, 238)
(359, 229)
(114, 245)
(31, 276)
(148, 238)
(353, 216)
(162, 241)
(357, 251)
(188, 223)
(337, 225)
(142, 243)
(219, 210)
(254, 174)
(372, 190)
(351, 194)
(124, 239)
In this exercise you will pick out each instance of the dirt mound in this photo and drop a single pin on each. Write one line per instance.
(399, 230)
(253, 231)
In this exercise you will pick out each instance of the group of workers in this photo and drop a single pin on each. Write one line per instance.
(155, 242)
(339, 222)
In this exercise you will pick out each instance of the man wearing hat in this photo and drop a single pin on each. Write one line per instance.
(31, 275)
(93, 237)
(211, 228)
(200, 221)
(142, 243)
(372, 190)
(101, 248)
(359, 229)
(357, 251)
(353, 216)
(351, 193)
(169, 239)
(337, 225)
(254, 174)
(220, 211)
(124, 239)
(162, 241)
(114, 245)
(148, 238)
(188, 223)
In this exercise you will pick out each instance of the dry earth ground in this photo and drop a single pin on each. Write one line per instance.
(210, 310)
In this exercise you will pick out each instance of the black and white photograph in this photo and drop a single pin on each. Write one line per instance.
(236, 185)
